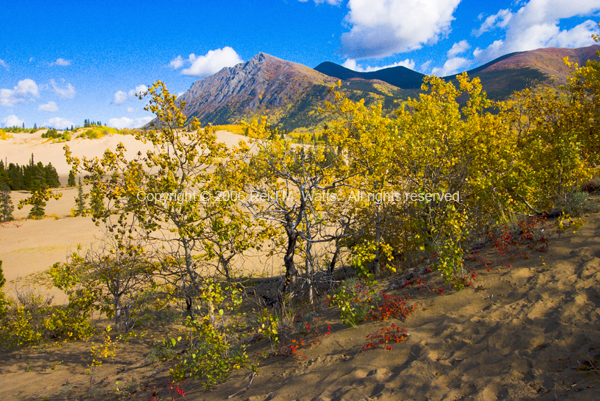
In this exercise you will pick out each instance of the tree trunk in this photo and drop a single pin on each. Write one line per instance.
(334, 258)
(288, 261)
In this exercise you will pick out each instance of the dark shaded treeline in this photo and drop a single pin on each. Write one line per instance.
(28, 177)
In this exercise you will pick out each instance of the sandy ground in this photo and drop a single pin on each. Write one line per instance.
(20, 148)
(528, 331)
(29, 246)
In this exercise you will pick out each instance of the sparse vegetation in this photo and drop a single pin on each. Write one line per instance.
(408, 200)
(29, 176)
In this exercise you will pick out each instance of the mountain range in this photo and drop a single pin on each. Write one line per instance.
(290, 94)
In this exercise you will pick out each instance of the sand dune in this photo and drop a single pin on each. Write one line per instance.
(20, 148)
(528, 331)
(30, 246)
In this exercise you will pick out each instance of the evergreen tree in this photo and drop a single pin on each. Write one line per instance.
(3, 298)
(50, 175)
(2, 279)
(4, 177)
(80, 200)
(6, 205)
(27, 177)
(38, 188)
(96, 202)
(71, 180)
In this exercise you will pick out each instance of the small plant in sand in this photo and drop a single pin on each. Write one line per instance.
(38, 200)
(106, 350)
(385, 336)
(390, 306)
(6, 205)
(352, 298)
(268, 323)
(566, 222)
(311, 335)
(80, 209)
(209, 355)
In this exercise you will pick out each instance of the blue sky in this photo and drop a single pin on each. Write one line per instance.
(64, 61)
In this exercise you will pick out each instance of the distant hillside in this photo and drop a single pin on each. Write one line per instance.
(401, 77)
(499, 78)
(515, 71)
(548, 61)
(289, 93)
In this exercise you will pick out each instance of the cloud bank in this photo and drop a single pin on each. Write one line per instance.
(125, 122)
(351, 64)
(536, 25)
(24, 90)
(12, 121)
(62, 62)
(58, 123)
(50, 107)
(382, 28)
(211, 63)
(332, 2)
(121, 97)
(68, 92)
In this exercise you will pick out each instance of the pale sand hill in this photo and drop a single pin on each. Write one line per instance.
(531, 331)
(19, 148)
(30, 246)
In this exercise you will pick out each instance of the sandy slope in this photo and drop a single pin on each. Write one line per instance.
(29, 246)
(529, 331)
(20, 148)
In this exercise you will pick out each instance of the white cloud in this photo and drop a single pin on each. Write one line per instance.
(451, 66)
(3, 64)
(12, 121)
(58, 122)
(458, 48)
(24, 89)
(62, 62)
(50, 106)
(67, 92)
(332, 2)
(500, 20)
(121, 97)
(382, 28)
(351, 64)
(125, 122)
(130, 109)
(536, 25)
(211, 63)
(177, 62)
(425, 66)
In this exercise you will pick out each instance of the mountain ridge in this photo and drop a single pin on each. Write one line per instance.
(291, 93)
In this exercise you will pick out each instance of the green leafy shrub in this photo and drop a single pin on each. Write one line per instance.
(208, 357)
(31, 319)
(268, 323)
(353, 299)
(4, 135)
(578, 203)
(98, 132)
